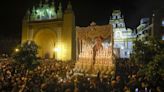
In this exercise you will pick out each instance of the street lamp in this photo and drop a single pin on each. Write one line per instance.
(16, 50)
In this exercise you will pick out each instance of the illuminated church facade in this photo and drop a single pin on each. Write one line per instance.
(123, 37)
(52, 29)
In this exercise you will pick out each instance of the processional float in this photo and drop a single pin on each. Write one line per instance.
(95, 50)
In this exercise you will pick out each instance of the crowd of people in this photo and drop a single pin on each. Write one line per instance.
(133, 79)
(56, 76)
(15, 77)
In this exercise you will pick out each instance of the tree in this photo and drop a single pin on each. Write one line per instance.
(154, 70)
(26, 54)
(150, 54)
(138, 49)
(144, 52)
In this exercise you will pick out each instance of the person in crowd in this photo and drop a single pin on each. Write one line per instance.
(55, 76)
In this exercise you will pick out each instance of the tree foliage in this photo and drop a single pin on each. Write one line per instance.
(150, 54)
(27, 54)
(154, 69)
(144, 52)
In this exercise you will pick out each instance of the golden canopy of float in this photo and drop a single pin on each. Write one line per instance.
(90, 61)
(93, 31)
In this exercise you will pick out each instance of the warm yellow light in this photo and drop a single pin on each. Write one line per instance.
(60, 51)
(57, 49)
(16, 50)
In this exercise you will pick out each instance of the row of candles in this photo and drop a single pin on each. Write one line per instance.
(103, 60)
(107, 68)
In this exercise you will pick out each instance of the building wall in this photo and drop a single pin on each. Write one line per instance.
(67, 35)
(123, 37)
(54, 36)
(144, 31)
(151, 27)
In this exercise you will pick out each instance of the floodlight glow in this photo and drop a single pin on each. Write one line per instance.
(16, 50)
(163, 37)
(162, 22)
(57, 49)
(60, 51)
(122, 47)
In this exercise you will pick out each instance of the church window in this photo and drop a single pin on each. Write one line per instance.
(143, 32)
(116, 25)
(125, 53)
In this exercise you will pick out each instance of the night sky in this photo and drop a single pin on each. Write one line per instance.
(12, 12)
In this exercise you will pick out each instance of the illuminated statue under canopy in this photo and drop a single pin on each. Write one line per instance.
(95, 49)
